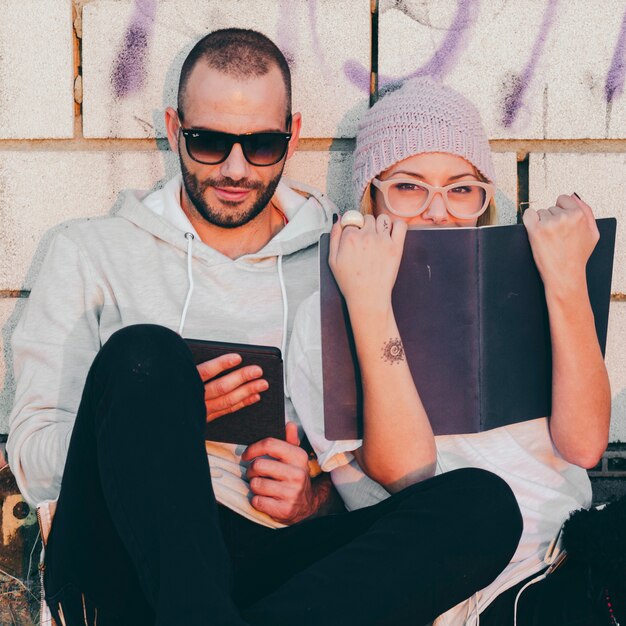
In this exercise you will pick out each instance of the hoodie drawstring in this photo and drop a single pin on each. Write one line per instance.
(281, 279)
(472, 616)
(189, 237)
(283, 292)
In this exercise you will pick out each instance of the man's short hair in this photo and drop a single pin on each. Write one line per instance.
(238, 52)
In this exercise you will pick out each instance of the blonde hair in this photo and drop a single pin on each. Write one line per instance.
(488, 218)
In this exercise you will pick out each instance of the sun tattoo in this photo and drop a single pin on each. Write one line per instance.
(393, 351)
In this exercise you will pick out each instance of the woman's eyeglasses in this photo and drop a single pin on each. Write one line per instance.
(407, 197)
(212, 147)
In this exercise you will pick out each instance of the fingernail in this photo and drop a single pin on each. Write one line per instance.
(577, 196)
(335, 218)
(264, 386)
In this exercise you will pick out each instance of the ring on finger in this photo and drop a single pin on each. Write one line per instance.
(352, 218)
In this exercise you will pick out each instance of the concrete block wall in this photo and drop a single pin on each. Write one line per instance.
(84, 84)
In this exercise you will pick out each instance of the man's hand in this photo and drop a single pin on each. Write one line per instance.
(232, 391)
(281, 484)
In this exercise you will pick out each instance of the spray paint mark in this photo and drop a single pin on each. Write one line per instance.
(129, 71)
(286, 37)
(448, 52)
(355, 72)
(442, 61)
(614, 85)
(317, 46)
(519, 83)
(357, 75)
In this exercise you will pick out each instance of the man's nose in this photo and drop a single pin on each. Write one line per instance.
(235, 166)
(436, 209)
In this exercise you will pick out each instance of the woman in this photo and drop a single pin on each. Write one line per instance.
(422, 160)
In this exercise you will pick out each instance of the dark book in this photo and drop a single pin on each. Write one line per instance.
(265, 418)
(471, 310)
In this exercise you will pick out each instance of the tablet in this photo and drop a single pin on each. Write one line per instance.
(265, 418)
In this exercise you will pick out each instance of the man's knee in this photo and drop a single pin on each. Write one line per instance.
(141, 336)
(142, 351)
(490, 510)
(478, 510)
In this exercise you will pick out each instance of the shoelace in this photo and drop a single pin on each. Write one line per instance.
(609, 606)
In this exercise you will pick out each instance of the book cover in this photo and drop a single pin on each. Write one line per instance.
(470, 306)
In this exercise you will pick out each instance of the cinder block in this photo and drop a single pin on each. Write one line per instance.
(599, 179)
(132, 60)
(535, 69)
(586, 71)
(80, 184)
(40, 189)
(505, 164)
(331, 172)
(471, 47)
(36, 69)
(616, 364)
(608, 489)
(10, 309)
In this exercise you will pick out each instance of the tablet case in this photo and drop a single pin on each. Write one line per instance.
(265, 418)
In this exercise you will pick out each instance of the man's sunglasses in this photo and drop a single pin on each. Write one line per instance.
(212, 147)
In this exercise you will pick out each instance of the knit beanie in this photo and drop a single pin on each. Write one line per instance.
(421, 116)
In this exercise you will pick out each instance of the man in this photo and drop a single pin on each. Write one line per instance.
(110, 409)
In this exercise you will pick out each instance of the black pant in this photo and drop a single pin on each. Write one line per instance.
(564, 598)
(138, 534)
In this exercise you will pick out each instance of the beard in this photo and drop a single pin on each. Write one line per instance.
(236, 217)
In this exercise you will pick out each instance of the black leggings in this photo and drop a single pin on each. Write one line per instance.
(138, 536)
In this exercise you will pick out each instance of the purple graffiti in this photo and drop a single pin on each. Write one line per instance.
(444, 58)
(286, 35)
(129, 71)
(439, 64)
(514, 99)
(317, 46)
(614, 85)
(357, 75)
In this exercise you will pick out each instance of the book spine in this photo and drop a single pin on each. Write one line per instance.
(480, 277)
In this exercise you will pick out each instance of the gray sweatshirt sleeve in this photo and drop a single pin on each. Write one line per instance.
(54, 345)
(305, 382)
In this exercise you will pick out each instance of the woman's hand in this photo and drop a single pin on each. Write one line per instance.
(562, 239)
(365, 261)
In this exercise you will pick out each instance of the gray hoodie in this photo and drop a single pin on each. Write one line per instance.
(106, 273)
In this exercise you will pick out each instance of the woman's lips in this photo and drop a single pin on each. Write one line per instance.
(231, 194)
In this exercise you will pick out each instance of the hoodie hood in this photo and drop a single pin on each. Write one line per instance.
(308, 211)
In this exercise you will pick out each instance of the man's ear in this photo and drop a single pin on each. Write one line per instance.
(296, 125)
(173, 128)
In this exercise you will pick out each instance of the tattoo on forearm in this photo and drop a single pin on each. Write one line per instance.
(393, 351)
